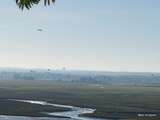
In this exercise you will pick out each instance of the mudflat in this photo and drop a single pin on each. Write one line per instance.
(127, 102)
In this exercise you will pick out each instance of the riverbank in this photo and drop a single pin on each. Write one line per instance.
(15, 108)
(73, 112)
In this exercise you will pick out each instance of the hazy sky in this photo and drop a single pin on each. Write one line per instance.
(111, 35)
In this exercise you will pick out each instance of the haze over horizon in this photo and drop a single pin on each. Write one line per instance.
(80, 34)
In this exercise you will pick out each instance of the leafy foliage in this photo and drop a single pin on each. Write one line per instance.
(29, 3)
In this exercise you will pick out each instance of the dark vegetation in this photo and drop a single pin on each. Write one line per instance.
(29, 3)
(110, 101)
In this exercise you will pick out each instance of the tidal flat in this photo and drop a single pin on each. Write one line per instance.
(115, 102)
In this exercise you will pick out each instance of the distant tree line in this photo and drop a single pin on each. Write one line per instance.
(131, 79)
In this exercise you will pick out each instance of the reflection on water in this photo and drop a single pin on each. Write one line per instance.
(73, 114)
(2, 117)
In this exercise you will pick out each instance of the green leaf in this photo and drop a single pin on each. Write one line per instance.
(29, 3)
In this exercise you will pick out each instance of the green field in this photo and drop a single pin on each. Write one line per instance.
(110, 101)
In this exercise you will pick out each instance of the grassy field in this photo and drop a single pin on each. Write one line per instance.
(110, 101)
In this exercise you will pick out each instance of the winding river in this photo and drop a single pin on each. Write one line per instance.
(73, 114)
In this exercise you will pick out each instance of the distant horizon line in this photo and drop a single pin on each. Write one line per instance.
(82, 70)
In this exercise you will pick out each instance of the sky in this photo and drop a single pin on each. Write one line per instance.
(102, 35)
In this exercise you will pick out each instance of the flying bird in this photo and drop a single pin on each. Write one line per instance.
(39, 30)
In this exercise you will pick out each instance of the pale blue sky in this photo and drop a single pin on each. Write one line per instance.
(111, 35)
